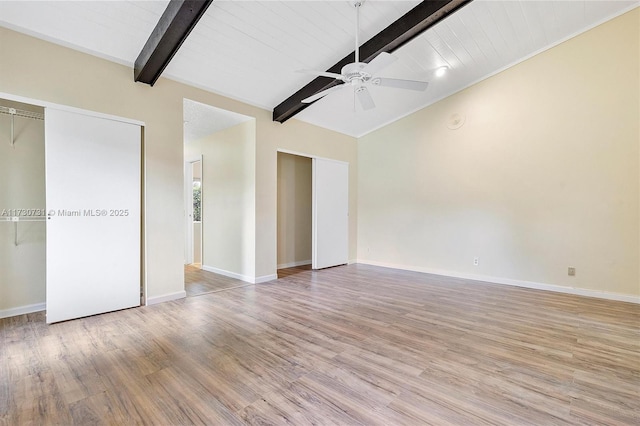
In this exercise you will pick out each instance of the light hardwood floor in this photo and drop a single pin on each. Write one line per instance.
(349, 345)
(198, 281)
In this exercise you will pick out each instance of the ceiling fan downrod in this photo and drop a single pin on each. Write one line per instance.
(358, 75)
(357, 5)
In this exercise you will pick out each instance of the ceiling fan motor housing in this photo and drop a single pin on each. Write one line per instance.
(353, 73)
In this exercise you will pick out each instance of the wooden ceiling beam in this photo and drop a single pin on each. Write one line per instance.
(173, 28)
(405, 29)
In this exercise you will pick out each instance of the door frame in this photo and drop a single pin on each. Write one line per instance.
(188, 208)
(143, 187)
(313, 220)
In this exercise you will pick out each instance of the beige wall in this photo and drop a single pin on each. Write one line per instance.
(40, 70)
(543, 175)
(22, 267)
(311, 141)
(228, 201)
(294, 210)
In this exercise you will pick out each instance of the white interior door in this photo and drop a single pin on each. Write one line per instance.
(330, 213)
(93, 197)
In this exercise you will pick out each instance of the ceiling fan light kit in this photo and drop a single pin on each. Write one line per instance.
(360, 75)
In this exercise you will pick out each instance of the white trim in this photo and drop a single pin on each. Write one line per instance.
(144, 264)
(21, 310)
(265, 278)
(294, 264)
(508, 281)
(166, 297)
(302, 154)
(188, 212)
(246, 278)
(63, 43)
(224, 94)
(67, 108)
(498, 71)
(188, 206)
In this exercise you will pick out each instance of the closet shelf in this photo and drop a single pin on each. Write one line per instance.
(14, 112)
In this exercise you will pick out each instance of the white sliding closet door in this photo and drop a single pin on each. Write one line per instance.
(330, 213)
(93, 190)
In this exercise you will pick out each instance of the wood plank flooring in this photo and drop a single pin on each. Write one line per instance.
(198, 281)
(353, 345)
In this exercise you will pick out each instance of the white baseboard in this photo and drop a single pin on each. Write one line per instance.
(166, 297)
(294, 264)
(246, 278)
(307, 262)
(21, 310)
(265, 278)
(508, 281)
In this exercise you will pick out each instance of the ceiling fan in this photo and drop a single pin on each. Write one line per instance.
(360, 75)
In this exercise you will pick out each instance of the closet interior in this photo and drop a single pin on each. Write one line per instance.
(22, 206)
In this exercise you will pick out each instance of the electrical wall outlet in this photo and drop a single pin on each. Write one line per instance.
(571, 271)
(476, 261)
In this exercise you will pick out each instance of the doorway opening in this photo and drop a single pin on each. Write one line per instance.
(219, 182)
(193, 193)
(312, 213)
(294, 228)
(196, 197)
(56, 165)
(22, 209)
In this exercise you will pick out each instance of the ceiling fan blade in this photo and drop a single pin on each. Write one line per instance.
(378, 63)
(366, 101)
(321, 94)
(401, 84)
(322, 74)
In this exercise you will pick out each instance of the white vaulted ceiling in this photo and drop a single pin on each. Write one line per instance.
(115, 30)
(250, 50)
(202, 120)
(481, 39)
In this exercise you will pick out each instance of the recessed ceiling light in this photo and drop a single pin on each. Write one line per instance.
(440, 71)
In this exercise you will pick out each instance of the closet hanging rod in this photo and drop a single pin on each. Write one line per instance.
(23, 219)
(18, 219)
